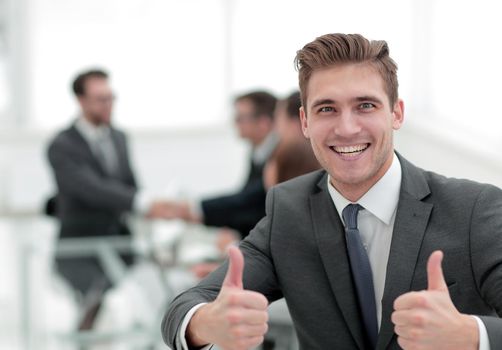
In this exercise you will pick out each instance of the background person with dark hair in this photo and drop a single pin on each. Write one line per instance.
(96, 184)
(240, 211)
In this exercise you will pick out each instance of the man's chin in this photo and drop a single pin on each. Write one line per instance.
(349, 178)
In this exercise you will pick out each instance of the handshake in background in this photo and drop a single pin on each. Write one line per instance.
(171, 210)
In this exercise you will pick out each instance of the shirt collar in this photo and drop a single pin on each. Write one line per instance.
(262, 152)
(381, 199)
(90, 131)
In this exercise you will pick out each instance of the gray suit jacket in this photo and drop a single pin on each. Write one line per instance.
(298, 252)
(90, 202)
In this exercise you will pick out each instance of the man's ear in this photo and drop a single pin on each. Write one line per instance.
(398, 115)
(304, 122)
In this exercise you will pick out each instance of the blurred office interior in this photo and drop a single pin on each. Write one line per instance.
(175, 67)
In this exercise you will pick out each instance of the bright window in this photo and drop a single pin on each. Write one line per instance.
(178, 63)
(466, 70)
(165, 59)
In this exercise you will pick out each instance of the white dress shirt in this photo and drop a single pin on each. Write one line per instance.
(99, 139)
(376, 225)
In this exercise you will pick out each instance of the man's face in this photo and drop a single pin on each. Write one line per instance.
(97, 102)
(350, 124)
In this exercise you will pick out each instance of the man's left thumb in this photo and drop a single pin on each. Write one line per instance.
(435, 278)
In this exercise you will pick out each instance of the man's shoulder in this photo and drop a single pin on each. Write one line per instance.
(302, 185)
(457, 187)
(64, 137)
(446, 187)
(68, 141)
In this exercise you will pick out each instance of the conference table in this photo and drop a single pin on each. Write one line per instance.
(38, 310)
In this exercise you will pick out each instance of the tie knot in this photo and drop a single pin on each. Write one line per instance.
(349, 214)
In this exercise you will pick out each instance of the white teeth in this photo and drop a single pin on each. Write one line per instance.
(350, 149)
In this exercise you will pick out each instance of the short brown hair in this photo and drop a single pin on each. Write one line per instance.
(333, 49)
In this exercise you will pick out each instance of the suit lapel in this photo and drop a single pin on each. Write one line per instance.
(409, 228)
(84, 145)
(330, 237)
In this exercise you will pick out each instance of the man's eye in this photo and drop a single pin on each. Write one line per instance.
(326, 109)
(366, 105)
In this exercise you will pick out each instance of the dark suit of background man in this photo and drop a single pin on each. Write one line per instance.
(96, 185)
(356, 249)
(254, 118)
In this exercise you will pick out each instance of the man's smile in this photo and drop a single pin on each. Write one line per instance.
(350, 151)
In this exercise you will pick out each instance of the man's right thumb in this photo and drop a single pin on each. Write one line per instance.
(235, 268)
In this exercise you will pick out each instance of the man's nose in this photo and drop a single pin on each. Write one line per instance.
(346, 125)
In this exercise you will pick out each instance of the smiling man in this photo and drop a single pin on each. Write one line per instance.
(357, 248)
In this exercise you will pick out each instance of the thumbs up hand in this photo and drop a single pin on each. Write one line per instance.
(429, 320)
(237, 319)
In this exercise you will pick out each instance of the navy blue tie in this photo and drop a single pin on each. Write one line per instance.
(361, 272)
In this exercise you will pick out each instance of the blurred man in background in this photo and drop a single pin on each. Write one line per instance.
(240, 211)
(95, 181)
